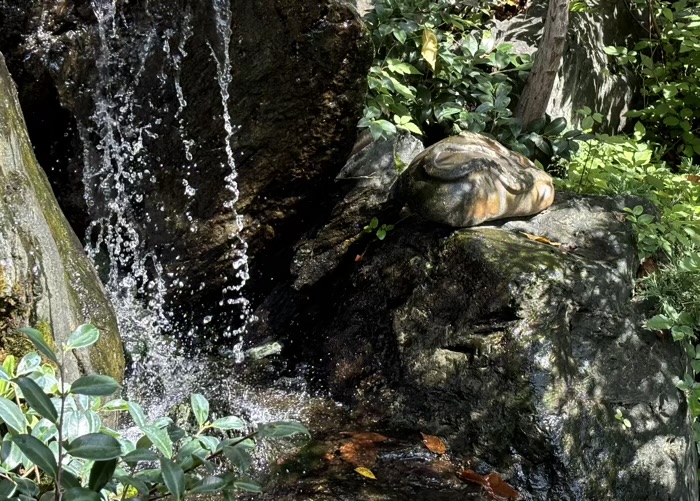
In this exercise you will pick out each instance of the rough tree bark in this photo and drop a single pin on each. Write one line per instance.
(548, 59)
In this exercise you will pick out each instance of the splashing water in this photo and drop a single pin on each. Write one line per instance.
(118, 172)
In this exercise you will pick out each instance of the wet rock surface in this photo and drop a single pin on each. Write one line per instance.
(517, 353)
(294, 97)
(46, 281)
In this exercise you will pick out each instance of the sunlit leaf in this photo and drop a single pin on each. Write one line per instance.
(200, 406)
(365, 472)
(229, 423)
(281, 429)
(12, 416)
(84, 336)
(429, 49)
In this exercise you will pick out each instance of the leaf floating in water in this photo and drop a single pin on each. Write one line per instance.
(365, 472)
(541, 240)
(362, 453)
(500, 487)
(434, 444)
(496, 488)
(429, 50)
(365, 436)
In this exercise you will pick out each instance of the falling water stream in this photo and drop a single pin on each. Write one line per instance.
(117, 174)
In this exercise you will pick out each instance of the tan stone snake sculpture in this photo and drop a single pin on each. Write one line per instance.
(468, 179)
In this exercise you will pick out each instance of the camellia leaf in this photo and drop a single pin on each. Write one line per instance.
(115, 405)
(12, 415)
(200, 406)
(429, 50)
(82, 337)
(95, 446)
(247, 485)
(159, 437)
(173, 477)
(209, 484)
(279, 429)
(95, 385)
(28, 363)
(101, 473)
(229, 423)
(137, 414)
(38, 453)
(37, 339)
(239, 457)
(37, 399)
(140, 455)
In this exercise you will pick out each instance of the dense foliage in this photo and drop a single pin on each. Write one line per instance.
(57, 446)
(438, 72)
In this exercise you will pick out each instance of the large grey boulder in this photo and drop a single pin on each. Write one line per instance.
(518, 353)
(46, 280)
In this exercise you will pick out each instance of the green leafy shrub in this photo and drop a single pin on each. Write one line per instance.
(437, 72)
(56, 445)
(669, 64)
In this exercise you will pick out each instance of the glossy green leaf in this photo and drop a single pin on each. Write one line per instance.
(7, 488)
(173, 477)
(159, 437)
(229, 423)
(95, 385)
(248, 486)
(37, 399)
(101, 473)
(281, 429)
(239, 457)
(209, 484)
(137, 414)
(140, 455)
(95, 446)
(69, 480)
(29, 363)
(38, 453)
(115, 405)
(200, 406)
(12, 416)
(82, 337)
(37, 339)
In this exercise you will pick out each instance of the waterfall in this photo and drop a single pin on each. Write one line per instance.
(120, 168)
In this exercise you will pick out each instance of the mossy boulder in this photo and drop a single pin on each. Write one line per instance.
(518, 353)
(46, 281)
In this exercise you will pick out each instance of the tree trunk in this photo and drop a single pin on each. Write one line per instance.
(548, 59)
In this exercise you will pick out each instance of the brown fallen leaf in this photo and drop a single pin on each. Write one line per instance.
(542, 240)
(362, 453)
(693, 178)
(365, 472)
(500, 487)
(434, 444)
(365, 436)
(358, 258)
(496, 488)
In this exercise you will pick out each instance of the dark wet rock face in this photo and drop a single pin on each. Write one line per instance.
(518, 353)
(294, 96)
